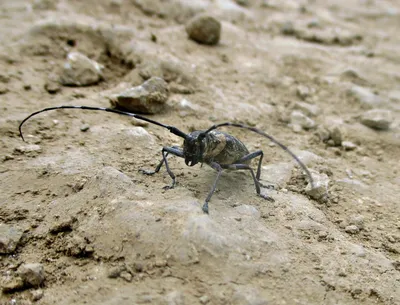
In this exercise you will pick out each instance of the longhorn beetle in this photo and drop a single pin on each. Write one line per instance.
(214, 148)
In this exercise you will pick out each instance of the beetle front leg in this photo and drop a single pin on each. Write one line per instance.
(218, 168)
(176, 151)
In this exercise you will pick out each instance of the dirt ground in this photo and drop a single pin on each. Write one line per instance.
(107, 234)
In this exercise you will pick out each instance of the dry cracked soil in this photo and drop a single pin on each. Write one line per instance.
(309, 73)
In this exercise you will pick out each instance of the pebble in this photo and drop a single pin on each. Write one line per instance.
(320, 190)
(30, 149)
(357, 220)
(204, 29)
(32, 274)
(204, 299)
(303, 92)
(348, 146)
(9, 238)
(352, 229)
(63, 225)
(365, 96)
(150, 97)
(36, 295)
(85, 127)
(79, 70)
(377, 119)
(52, 87)
(307, 108)
(298, 118)
(323, 133)
(12, 284)
(115, 272)
(126, 276)
(336, 134)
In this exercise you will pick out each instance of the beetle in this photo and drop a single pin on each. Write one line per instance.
(215, 148)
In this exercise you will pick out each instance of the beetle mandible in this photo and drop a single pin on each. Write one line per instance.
(215, 148)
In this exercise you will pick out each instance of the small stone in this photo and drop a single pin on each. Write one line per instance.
(85, 127)
(115, 272)
(32, 274)
(204, 29)
(307, 108)
(300, 119)
(180, 89)
(319, 189)
(29, 150)
(377, 119)
(79, 70)
(336, 134)
(9, 238)
(150, 97)
(204, 299)
(323, 133)
(52, 87)
(63, 225)
(11, 284)
(365, 96)
(303, 92)
(36, 295)
(126, 276)
(347, 145)
(357, 220)
(27, 87)
(352, 229)
(140, 123)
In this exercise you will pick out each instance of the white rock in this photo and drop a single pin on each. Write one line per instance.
(32, 274)
(319, 191)
(377, 119)
(300, 119)
(365, 96)
(352, 229)
(9, 238)
(79, 70)
(347, 145)
(307, 108)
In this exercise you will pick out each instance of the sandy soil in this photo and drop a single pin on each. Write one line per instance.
(106, 234)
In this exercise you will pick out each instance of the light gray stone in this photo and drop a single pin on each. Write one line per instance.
(377, 119)
(79, 70)
(9, 238)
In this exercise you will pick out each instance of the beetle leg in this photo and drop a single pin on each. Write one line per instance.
(218, 168)
(256, 182)
(176, 151)
(252, 156)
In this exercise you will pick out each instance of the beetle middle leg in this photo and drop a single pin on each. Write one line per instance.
(256, 182)
(174, 150)
(258, 153)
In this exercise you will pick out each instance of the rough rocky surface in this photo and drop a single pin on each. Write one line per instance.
(84, 208)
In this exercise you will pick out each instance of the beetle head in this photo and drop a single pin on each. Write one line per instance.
(193, 148)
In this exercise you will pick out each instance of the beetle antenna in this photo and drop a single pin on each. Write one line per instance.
(272, 139)
(172, 129)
